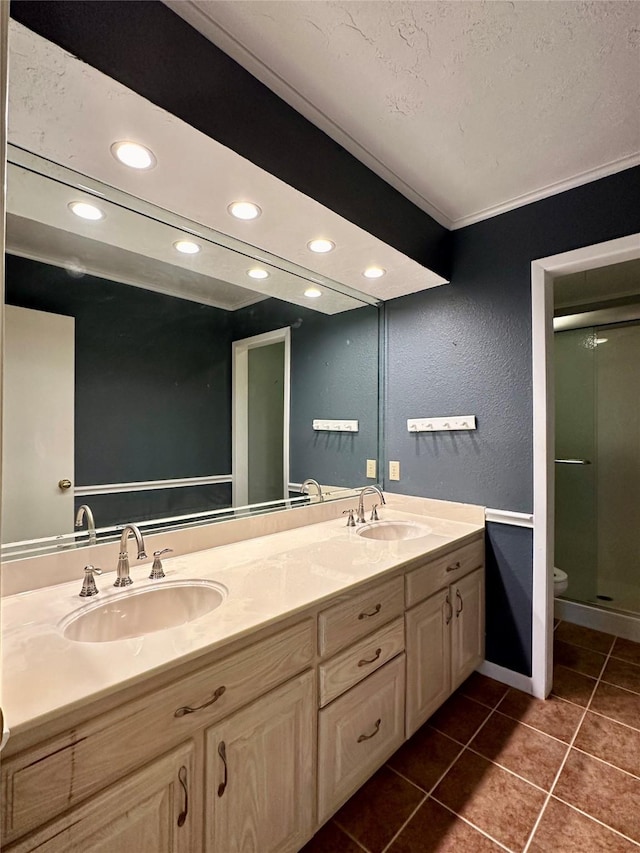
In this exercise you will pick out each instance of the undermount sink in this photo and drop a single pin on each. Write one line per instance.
(137, 612)
(390, 531)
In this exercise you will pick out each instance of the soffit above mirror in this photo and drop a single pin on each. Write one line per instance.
(85, 112)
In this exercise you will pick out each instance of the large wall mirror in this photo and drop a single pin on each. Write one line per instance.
(166, 387)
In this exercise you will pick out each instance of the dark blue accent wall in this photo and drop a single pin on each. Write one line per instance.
(465, 349)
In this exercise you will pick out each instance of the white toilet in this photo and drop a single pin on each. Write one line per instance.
(560, 581)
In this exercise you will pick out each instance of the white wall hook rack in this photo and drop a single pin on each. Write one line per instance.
(459, 422)
(327, 425)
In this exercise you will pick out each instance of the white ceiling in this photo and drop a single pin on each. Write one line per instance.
(70, 113)
(467, 108)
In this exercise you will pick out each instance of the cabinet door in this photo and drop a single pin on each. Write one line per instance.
(428, 658)
(260, 790)
(153, 811)
(467, 637)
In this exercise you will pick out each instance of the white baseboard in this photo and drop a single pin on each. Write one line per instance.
(507, 676)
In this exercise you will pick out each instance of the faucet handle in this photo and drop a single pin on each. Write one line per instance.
(157, 571)
(374, 513)
(350, 521)
(89, 587)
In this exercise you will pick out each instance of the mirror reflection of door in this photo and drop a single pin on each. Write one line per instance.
(261, 372)
(38, 427)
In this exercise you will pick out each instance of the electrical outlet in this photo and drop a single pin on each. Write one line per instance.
(394, 470)
(371, 469)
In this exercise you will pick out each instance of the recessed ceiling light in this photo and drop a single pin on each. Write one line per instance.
(373, 272)
(257, 273)
(244, 210)
(134, 155)
(187, 247)
(85, 210)
(321, 246)
(312, 292)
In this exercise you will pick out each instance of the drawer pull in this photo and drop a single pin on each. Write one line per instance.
(222, 752)
(454, 567)
(182, 778)
(460, 609)
(375, 731)
(364, 661)
(450, 606)
(182, 712)
(374, 612)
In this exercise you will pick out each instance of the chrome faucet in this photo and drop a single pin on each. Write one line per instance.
(123, 578)
(85, 511)
(367, 491)
(304, 488)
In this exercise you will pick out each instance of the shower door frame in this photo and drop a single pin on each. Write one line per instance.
(543, 273)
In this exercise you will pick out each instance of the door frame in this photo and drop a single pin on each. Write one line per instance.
(543, 272)
(240, 410)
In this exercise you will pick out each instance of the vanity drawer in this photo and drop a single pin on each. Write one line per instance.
(42, 782)
(358, 615)
(357, 733)
(360, 660)
(426, 580)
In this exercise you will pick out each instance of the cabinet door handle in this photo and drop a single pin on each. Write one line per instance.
(182, 778)
(182, 712)
(454, 566)
(364, 661)
(222, 752)
(450, 606)
(374, 612)
(375, 731)
(460, 609)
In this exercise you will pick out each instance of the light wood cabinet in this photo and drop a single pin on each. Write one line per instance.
(259, 788)
(445, 643)
(357, 733)
(428, 658)
(467, 626)
(156, 810)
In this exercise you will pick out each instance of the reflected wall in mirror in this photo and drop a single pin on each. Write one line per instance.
(155, 383)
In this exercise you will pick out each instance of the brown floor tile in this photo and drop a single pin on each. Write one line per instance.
(627, 650)
(607, 794)
(620, 705)
(610, 741)
(377, 811)
(582, 660)
(577, 635)
(459, 717)
(485, 690)
(491, 798)
(425, 757)
(527, 752)
(564, 830)
(622, 674)
(331, 839)
(552, 716)
(572, 686)
(433, 829)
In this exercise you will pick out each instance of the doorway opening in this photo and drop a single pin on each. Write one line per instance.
(261, 404)
(543, 274)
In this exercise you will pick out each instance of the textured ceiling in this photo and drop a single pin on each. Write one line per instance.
(467, 108)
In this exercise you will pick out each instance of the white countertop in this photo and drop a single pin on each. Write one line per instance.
(268, 579)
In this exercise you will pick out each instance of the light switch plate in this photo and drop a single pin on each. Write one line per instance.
(394, 470)
(371, 469)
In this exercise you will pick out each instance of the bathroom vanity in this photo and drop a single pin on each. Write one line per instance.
(247, 728)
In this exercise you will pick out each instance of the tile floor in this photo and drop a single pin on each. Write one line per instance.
(495, 769)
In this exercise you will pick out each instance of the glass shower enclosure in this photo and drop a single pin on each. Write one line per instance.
(597, 469)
